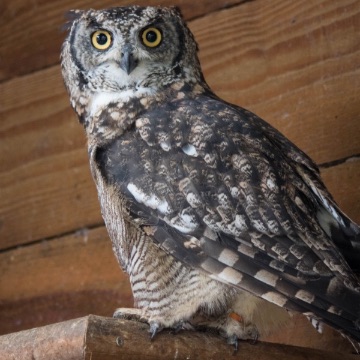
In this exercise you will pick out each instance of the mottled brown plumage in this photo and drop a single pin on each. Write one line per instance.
(211, 211)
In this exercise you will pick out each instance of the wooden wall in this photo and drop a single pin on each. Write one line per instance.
(294, 63)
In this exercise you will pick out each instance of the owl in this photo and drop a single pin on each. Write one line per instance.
(217, 218)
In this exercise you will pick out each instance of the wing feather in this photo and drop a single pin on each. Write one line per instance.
(230, 195)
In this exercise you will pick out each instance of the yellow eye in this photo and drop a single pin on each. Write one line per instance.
(101, 39)
(151, 37)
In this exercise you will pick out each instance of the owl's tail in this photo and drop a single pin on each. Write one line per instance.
(346, 235)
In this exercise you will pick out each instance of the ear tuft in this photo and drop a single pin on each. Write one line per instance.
(71, 16)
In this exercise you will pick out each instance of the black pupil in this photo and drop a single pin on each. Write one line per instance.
(151, 36)
(101, 39)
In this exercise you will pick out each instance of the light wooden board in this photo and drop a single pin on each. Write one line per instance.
(294, 63)
(60, 279)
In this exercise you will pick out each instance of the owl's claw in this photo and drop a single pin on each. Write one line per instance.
(155, 327)
(233, 340)
(182, 325)
(255, 338)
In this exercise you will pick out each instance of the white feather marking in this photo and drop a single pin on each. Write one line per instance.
(184, 223)
(164, 207)
(275, 298)
(334, 310)
(247, 250)
(193, 243)
(240, 222)
(101, 100)
(230, 275)
(270, 184)
(266, 277)
(317, 324)
(305, 296)
(259, 225)
(193, 200)
(234, 192)
(149, 200)
(228, 257)
(325, 219)
(165, 146)
(190, 150)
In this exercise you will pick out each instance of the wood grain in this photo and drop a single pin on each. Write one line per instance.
(45, 183)
(32, 32)
(59, 279)
(294, 63)
(343, 183)
(100, 338)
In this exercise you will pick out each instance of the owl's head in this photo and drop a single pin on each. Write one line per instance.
(127, 49)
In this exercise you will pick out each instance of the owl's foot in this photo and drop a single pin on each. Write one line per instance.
(155, 326)
(137, 315)
(233, 327)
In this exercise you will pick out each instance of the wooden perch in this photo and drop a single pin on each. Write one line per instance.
(100, 338)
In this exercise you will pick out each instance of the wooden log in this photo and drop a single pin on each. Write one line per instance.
(60, 341)
(99, 338)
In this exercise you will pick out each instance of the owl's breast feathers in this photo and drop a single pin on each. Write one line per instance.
(223, 191)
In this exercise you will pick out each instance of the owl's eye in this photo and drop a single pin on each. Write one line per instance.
(151, 37)
(101, 39)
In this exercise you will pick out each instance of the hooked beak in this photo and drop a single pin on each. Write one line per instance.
(128, 62)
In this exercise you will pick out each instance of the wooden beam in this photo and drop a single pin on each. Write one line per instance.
(98, 338)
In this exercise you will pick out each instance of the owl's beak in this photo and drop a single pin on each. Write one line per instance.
(128, 62)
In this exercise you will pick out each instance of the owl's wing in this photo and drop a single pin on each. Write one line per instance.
(223, 191)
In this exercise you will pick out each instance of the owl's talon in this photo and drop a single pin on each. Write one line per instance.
(182, 325)
(233, 340)
(255, 339)
(155, 327)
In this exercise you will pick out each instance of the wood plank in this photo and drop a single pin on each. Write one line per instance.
(343, 183)
(79, 262)
(61, 341)
(45, 182)
(31, 32)
(294, 63)
(99, 338)
(60, 279)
